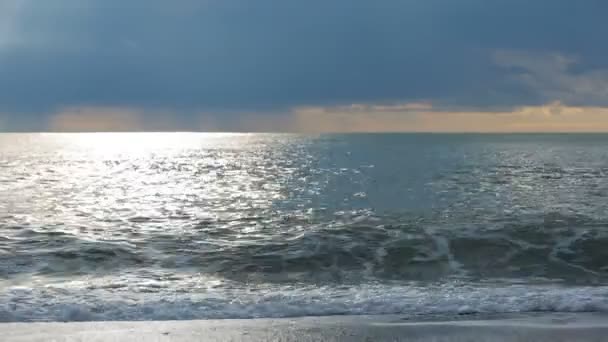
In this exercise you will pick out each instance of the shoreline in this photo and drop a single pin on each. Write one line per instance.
(552, 327)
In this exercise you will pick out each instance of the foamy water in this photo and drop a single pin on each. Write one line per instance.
(149, 226)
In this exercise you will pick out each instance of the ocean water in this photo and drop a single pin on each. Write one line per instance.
(143, 226)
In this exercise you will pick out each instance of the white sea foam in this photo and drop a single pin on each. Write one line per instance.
(89, 302)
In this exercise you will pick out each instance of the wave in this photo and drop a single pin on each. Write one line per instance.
(96, 303)
(351, 249)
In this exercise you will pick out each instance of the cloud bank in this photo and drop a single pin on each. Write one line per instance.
(264, 63)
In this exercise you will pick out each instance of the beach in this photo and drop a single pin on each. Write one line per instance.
(522, 327)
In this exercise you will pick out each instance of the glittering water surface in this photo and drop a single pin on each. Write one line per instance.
(178, 226)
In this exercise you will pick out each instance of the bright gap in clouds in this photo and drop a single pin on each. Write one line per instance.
(410, 117)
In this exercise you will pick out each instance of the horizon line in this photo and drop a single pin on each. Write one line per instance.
(304, 133)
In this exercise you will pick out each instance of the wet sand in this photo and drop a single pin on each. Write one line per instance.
(529, 327)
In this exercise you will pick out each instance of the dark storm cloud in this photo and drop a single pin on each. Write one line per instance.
(232, 55)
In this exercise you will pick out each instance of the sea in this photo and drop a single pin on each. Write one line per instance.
(176, 226)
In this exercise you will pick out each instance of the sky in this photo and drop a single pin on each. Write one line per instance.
(304, 66)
